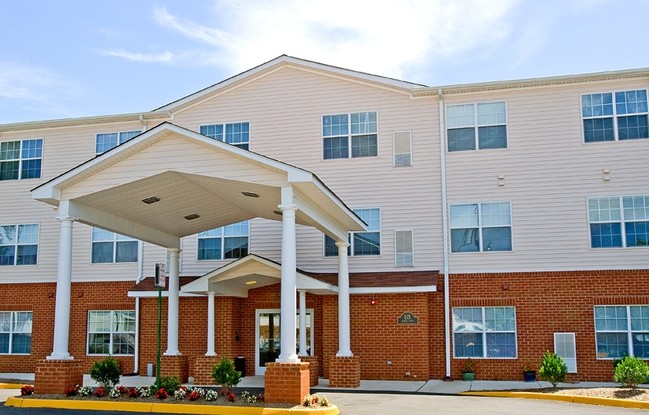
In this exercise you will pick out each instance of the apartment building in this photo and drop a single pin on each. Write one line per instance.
(405, 227)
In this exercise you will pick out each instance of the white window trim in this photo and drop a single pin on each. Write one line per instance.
(114, 241)
(222, 237)
(119, 139)
(628, 331)
(394, 149)
(111, 332)
(412, 236)
(480, 227)
(15, 245)
(485, 332)
(12, 332)
(622, 222)
(223, 124)
(350, 135)
(615, 115)
(476, 126)
(20, 158)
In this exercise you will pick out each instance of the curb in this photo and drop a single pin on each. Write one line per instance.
(622, 403)
(167, 408)
(12, 385)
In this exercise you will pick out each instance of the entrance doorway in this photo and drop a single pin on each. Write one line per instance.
(268, 333)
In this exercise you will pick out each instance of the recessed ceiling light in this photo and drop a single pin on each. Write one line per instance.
(150, 200)
(250, 194)
(251, 282)
(192, 216)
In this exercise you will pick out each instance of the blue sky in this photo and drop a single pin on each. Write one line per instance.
(70, 58)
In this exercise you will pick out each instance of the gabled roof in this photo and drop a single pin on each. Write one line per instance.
(283, 61)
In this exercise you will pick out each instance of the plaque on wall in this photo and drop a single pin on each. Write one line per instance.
(407, 318)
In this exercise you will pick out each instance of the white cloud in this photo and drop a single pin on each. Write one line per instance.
(383, 37)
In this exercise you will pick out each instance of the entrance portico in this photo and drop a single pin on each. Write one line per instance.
(170, 182)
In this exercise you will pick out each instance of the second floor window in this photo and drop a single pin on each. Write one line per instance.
(361, 243)
(228, 242)
(349, 135)
(615, 116)
(109, 247)
(481, 227)
(237, 134)
(106, 141)
(21, 159)
(18, 244)
(476, 126)
(617, 222)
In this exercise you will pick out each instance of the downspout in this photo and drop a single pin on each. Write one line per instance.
(447, 297)
(140, 276)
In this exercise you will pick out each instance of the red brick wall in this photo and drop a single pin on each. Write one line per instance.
(546, 303)
(40, 299)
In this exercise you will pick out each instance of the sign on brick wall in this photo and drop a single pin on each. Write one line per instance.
(407, 318)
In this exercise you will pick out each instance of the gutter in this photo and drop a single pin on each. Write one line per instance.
(447, 300)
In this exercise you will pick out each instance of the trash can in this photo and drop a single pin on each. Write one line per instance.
(240, 365)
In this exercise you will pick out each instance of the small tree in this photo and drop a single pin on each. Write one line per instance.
(225, 375)
(552, 368)
(631, 371)
(106, 372)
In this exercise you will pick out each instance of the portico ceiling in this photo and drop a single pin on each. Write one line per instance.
(195, 184)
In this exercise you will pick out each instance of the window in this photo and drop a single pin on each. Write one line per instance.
(403, 249)
(621, 331)
(237, 134)
(482, 125)
(615, 116)
(361, 243)
(109, 247)
(15, 332)
(21, 159)
(402, 149)
(619, 221)
(228, 242)
(18, 244)
(484, 332)
(481, 227)
(349, 135)
(111, 332)
(106, 141)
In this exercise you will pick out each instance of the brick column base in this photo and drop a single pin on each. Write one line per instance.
(286, 382)
(313, 368)
(202, 370)
(53, 376)
(175, 366)
(345, 372)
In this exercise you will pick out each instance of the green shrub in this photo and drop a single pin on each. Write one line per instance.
(106, 372)
(169, 383)
(631, 371)
(225, 375)
(552, 368)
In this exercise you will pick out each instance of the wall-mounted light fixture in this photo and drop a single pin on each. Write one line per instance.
(501, 180)
(606, 175)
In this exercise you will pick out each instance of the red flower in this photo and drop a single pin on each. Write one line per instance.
(134, 392)
(100, 392)
(193, 396)
(70, 391)
(122, 390)
(27, 390)
(161, 394)
(231, 397)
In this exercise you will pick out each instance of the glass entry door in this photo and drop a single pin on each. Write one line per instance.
(268, 337)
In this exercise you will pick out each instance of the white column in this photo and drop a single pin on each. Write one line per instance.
(210, 325)
(303, 351)
(344, 342)
(173, 303)
(63, 289)
(289, 279)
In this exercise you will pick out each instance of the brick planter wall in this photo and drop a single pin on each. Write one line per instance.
(345, 372)
(175, 366)
(53, 376)
(202, 370)
(286, 382)
(313, 368)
